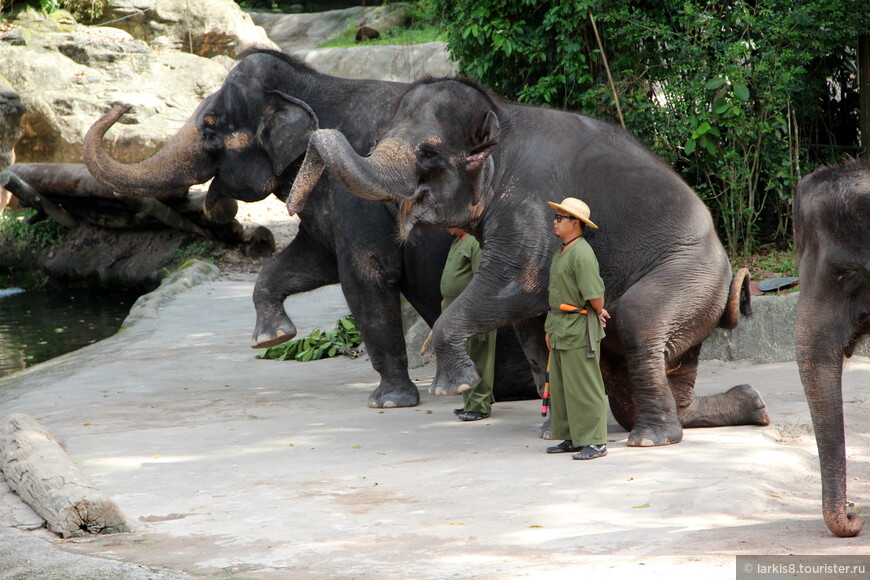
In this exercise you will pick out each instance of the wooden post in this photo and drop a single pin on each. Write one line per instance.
(42, 474)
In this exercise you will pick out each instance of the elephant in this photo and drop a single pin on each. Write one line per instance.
(832, 241)
(248, 138)
(454, 155)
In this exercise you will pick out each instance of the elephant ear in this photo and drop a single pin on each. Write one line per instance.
(284, 130)
(478, 163)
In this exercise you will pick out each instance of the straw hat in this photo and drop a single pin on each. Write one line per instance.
(575, 207)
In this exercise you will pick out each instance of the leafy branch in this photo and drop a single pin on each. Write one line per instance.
(344, 339)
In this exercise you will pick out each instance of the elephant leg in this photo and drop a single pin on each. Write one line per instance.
(476, 312)
(644, 329)
(302, 266)
(617, 380)
(369, 280)
(530, 333)
(740, 405)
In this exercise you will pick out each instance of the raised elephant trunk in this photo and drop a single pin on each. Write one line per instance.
(387, 174)
(820, 362)
(180, 164)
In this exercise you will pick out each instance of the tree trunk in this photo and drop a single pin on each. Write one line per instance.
(864, 92)
(32, 198)
(41, 473)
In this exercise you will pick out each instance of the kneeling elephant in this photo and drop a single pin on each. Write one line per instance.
(453, 155)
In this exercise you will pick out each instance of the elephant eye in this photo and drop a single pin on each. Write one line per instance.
(843, 274)
(430, 158)
(210, 138)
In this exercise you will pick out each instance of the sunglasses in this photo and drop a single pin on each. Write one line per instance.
(559, 217)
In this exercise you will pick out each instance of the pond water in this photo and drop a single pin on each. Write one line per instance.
(37, 325)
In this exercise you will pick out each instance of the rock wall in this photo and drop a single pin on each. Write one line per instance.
(300, 33)
(765, 337)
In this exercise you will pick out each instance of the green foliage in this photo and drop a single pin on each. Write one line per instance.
(84, 10)
(201, 249)
(81, 10)
(741, 97)
(15, 226)
(319, 344)
(770, 263)
(278, 5)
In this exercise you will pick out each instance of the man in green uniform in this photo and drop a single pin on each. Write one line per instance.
(462, 262)
(575, 327)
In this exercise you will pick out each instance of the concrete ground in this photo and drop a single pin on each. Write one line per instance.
(227, 466)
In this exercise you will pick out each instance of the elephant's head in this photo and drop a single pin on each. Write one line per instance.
(435, 157)
(832, 235)
(244, 136)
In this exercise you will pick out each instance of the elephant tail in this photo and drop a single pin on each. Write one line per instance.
(739, 300)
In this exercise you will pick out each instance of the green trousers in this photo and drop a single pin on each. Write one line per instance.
(482, 352)
(577, 400)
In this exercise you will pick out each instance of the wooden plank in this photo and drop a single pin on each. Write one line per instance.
(42, 474)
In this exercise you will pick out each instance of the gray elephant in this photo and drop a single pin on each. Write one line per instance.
(249, 138)
(832, 239)
(455, 155)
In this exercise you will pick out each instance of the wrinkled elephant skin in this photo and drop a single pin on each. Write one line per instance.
(249, 136)
(832, 239)
(455, 155)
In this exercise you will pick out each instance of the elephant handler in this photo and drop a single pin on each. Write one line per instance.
(462, 262)
(575, 327)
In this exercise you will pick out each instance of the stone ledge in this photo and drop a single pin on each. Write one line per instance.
(765, 337)
(147, 307)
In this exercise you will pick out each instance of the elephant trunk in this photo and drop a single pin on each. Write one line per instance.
(820, 362)
(180, 164)
(387, 174)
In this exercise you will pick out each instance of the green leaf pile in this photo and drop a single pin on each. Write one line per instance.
(344, 339)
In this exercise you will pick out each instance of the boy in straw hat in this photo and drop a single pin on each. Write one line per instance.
(575, 327)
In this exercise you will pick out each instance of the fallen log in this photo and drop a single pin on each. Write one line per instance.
(30, 197)
(42, 474)
(72, 180)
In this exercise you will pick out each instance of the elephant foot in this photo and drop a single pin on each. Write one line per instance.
(655, 435)
(273, 328)
(740, 405)
(390, 395)
(750, 407)
(466, 378)
(547, 429)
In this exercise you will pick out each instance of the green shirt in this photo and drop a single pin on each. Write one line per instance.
(462, 262)
(574, 279)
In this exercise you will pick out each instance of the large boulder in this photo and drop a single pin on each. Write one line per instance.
(300, 34)
(67, 77)
(204, 27)
(304, 31)
(404, 63)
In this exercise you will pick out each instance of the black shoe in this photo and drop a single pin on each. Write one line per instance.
(472, 416)
(591, 452)
(458, 411)
(563, 447)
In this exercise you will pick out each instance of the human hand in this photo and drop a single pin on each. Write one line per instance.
(603, 317)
